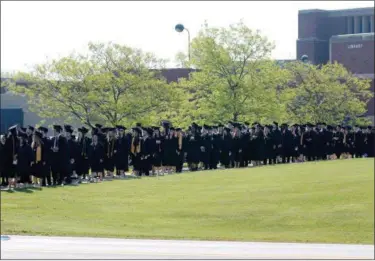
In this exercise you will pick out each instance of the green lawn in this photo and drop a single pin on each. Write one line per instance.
(310, 202)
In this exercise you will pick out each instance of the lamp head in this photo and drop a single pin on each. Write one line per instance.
(179, 28)
(304, 58)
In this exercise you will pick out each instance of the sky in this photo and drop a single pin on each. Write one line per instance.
(33, 32)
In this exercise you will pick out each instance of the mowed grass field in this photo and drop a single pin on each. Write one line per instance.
(311, 202)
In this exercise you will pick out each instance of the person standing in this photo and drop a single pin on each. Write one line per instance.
(121, 151)
(10, 155)
(24, 160)
(96, 157)
(83, 164)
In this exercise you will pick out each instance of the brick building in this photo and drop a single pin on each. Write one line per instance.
(344, 36)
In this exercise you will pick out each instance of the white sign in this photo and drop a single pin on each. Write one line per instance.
(355, 46)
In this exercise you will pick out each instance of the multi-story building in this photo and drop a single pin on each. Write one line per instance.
(344, 36)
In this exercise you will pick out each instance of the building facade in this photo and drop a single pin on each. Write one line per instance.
(343, 36)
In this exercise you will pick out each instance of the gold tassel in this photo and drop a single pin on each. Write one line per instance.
(38, 154)
(180, 141)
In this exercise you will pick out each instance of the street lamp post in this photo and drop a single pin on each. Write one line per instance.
(180, 28)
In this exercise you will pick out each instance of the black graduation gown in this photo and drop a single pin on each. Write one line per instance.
(277, 140)
(122, 153)
(83, 164)
(24, 159)
(370, 145)
(170, 147)
(338, 146)
(193, 149)
(259, 146)
(146, 155)
(96, 157)
(109, 161)
(308, 144)
(226, 148)
(205, 154)
(268, 146)
(60, 161)
(2, 160)
(157, 151)
(39, 168)
(10, 154)
(359, 143)
(72, 148)
(215, 151)
(287, 143)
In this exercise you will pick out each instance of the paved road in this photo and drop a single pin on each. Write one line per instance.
(30, 247)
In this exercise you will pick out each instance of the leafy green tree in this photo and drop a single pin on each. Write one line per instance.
(112, 84)
(235, 79)
(326, 93)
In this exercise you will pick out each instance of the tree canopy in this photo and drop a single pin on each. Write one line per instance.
(235, 79)
(113, 84)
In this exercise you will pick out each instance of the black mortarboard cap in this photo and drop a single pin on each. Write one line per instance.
(178, 129)
(38, 134)
(22, 135)
(150, 131)
(83, 130)
(31, 127)
(137, 130)
(94, 131)
(99, 126)
(275, 123)
(68, 128)
(43, 129)
(23, 129)
(13, 129)
(138, 124)
(172, 129)
(57, 128)
(247, 123)
(120, 127)
(165, 124)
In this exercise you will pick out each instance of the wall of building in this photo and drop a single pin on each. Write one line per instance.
(355, 52)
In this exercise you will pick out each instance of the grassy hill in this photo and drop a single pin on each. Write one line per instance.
(310, 202)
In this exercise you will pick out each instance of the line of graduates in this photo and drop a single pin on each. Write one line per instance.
(30, 156)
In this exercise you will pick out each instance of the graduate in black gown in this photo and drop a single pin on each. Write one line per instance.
(121, 151)
(83, 143)
(59, 156)
(24, 159)
(96, 157)
(10, 156)
(46, 168)
(109, 161)
(225, 148)
(146, 152)
(72, 151)
(157, 150)
(2, 157)
(193, 148)
(180, 150)
(39, 151)
(135, 149)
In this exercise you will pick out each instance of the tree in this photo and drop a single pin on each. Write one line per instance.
(235, 79)
(326, 93)
(113, 84)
